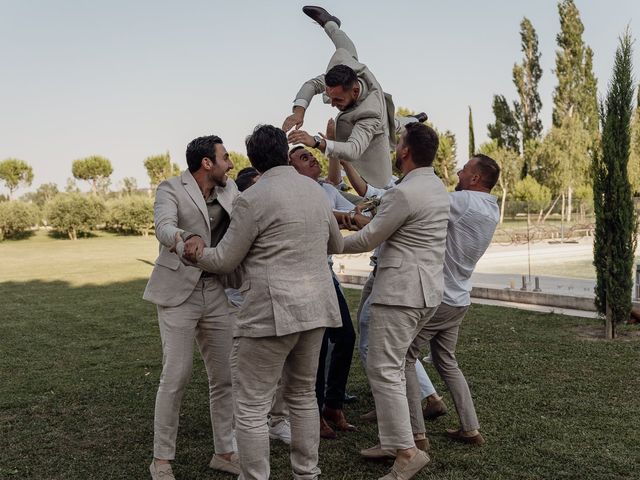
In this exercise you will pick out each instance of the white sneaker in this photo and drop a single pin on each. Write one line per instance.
(281, 431)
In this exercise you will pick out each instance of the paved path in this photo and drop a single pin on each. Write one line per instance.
(501, 258)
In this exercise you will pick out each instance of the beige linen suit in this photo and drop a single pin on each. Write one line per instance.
(411, 225)
(189, 307)
(365, 131)
(281, 231)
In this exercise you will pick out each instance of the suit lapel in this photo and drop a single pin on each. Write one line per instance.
(226, 195)
(194, 192)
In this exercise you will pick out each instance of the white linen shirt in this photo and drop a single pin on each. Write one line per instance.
(473, 217)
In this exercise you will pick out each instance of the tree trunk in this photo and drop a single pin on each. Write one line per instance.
(504, 199)
(569, 205)
(550, 208)
(609, 325)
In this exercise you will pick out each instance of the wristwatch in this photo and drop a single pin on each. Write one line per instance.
(318, 140)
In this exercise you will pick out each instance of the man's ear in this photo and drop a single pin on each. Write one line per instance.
(356, 89)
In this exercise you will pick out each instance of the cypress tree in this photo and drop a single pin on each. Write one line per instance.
(505, 131)
(526, 78)
(616, 223)
(472, 138)
(576, 92)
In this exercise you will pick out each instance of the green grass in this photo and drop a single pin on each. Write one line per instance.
(80, 360)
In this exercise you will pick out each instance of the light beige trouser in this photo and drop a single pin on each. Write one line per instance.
(256, 366)
(441, 334)
(206, 317)
(391, 331)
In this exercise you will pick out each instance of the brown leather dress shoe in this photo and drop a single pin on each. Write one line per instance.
(434, 409)
(336, 417)
(423, 444)
(326, 431)
(320, 15)
(461, 436)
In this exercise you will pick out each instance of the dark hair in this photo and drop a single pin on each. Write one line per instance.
(245, 177)
(422, 142)
(488, 168)
(199, 148)
(267, 147)
(341, 75)
(295, 149)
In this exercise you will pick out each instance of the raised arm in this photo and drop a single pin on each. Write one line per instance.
(356, 181)
(309, 89)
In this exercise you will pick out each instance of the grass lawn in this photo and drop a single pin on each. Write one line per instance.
(80, 361)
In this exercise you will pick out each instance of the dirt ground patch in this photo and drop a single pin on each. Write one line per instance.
(625, 333)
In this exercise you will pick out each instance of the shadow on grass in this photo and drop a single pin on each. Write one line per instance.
(58, 235)
(19, 236)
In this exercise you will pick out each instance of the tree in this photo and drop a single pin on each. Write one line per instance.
(43, 194)
(510, 167)
(505, 131)
(445, 162)
(71, 186)
(129, 185)
(472, 137)
(95, 170)
(535, 195)
(616, 221)
(16, 218)
(634, 157)
(15, 173)
(72, 213)
(239, 161)
(526, 78)
(576, 92)
(561, 161)
(160, 168)
(132, 214)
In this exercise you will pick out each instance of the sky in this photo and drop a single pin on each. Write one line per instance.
(129, 79)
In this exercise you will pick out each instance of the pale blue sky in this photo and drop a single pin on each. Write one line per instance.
(128, 79)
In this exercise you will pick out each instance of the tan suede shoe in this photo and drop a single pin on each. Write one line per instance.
(417, 463)
(377, 452)
(161, 472)
(229, 466)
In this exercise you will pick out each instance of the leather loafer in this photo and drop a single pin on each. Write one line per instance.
(460, 436)
(320, 15)
(222, 465)
(377, 452)
(161, 472)
(326, 431)
(423, 444)
(336, 417)
(417, 463)
(421, 117)
(434, 409)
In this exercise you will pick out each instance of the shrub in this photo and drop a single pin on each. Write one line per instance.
(71, 213)
(17, 217)
(131, 215)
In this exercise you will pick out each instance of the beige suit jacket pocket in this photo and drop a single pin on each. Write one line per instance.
(170, 261)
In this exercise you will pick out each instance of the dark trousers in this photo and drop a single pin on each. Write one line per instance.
(343, 339)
